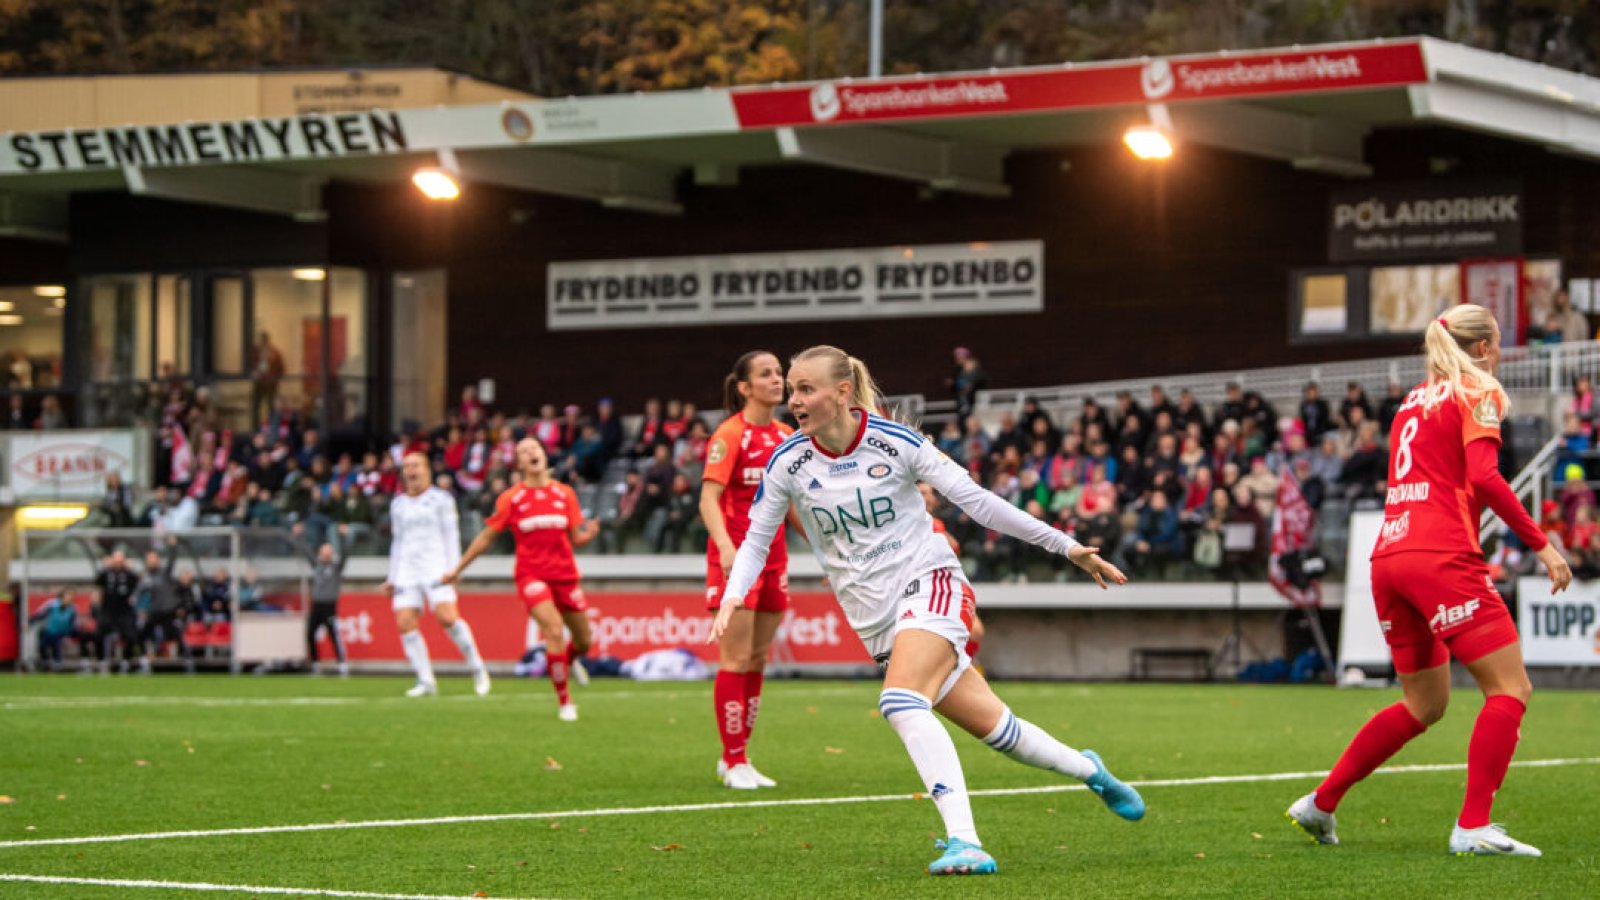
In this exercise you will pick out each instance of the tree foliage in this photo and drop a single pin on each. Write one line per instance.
(555, 47)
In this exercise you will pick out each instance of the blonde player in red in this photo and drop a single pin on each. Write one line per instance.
(547, 523)
(1432, 589)
(735, 460)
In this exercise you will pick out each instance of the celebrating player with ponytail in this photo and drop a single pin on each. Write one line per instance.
(735, 460)
(1433, 591)
(853, 476)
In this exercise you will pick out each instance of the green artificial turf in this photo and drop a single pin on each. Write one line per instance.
(86, 756)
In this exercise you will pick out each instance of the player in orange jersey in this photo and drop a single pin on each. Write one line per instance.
(1433, 592)
(735, 460)
(547, 523)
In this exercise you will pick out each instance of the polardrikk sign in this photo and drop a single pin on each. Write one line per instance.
(873, 282)
(1424, 220)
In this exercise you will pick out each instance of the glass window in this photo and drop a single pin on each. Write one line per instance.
(172, 325)
(31, 336)
(418, 347)
(119, 327)
(227, 325)
(288, 311)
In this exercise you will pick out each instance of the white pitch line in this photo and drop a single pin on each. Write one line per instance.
(226, 888)
(52, 703)
(746, 804)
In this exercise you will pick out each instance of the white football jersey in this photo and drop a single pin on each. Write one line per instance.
(427, 537)
(865, 517)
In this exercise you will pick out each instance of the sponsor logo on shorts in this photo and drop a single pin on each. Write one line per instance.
(1386, 625)
(1395, 530)
(1407, 493)
(908, 614)
(1453, 615)
(534, 588)
(881, 470)
(913, 587)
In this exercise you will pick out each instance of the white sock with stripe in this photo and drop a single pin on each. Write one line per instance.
(461, 633)
(417, 653)
(911, 716)
(1026, 742)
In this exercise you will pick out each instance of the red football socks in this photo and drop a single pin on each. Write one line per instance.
(558, 677)
(727, 693)
(1494, 740)
(752, 701)
(1382, 737)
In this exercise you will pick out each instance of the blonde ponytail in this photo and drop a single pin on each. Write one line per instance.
(1446, 344)
(842, 366)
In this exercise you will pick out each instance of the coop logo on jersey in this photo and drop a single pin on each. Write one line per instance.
(802, 460)
(825, 105)
(1395, 530)
(881, 470)
(1453, 615)
(716, 452)
(882, 445)
(1156, 79)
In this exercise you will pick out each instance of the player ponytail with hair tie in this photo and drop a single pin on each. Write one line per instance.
(1450, 360)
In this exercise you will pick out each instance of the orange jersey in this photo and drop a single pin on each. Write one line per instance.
(540, 520)
(1431, 504)
(736, 458)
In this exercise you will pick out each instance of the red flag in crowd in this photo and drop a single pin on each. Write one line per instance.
(182, 455)
(1294, 525)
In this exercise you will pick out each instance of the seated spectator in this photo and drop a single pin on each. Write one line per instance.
(116, 504)
(1245, 510)
(586, 459)
(683, 514)
(650, 431)
(1584, 546)
(1368, 466)
(950, 443)
(609, 425)
(1263, 485)
(55, 621)
(689, 451)
(1155, 538)
(1314, 413)
(1552, 523)
(1390, 407)
(1095, 518)
(1575, 492)
(213, 600)
(51, 415)
(1355, 397)
(1208, 540)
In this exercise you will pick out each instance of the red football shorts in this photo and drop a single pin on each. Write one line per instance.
(770, 592)
(1436, 605)
(568, 596)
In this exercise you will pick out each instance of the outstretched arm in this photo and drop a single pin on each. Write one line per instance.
(473, 551)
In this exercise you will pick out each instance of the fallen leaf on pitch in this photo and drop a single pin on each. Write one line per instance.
(583, 831)
(480, 893)
(30, 828)
(554, 825)
(832, 749)
(1199, 856)
(327, 787)
(804, 846)
(522, 862)
(6, 799)
(61, 796)
(141, 763)
(667, 848)
(812, 710)
(1256, 835)
(550, 764)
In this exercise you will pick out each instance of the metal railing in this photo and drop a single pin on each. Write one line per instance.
(1543, 368)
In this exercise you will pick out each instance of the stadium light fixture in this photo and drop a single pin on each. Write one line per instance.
(1148, 142)
(436, 184)
(311, 274)
(10, 319)
(51, 518)
(50, 290)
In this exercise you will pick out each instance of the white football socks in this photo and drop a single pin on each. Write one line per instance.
(417, 653)
(911, 716)
(461, 633)
(1026, 742)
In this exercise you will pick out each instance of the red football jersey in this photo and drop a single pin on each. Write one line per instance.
(736, 458)
(540, 520)
(1430, 504)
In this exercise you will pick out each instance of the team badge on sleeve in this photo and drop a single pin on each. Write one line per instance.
(1487, 413)
(716, 451)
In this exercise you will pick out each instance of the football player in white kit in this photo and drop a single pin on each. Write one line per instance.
(426, 545)
(852, 475)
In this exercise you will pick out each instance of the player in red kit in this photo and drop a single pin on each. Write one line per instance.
(735, 460)
(547, 523)
(1434, 596)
